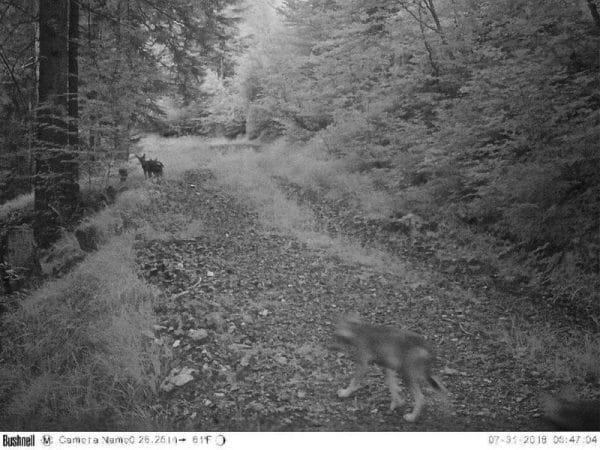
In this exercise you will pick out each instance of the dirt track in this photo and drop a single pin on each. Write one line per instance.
(269, 304)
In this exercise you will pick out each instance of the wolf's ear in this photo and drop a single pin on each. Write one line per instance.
(344, 329)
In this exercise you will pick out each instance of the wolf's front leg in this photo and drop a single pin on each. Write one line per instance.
(354, 383)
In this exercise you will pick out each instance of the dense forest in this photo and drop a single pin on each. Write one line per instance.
(107, 64)
(479, 117)
(458, 136)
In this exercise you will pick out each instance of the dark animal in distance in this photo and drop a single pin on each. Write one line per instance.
(123, 175)
(571, 415)
(151, 167)
(155, 167)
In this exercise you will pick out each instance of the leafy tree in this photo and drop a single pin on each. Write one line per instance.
(140, 50)
(486, 112)
(129, 54)
(17, 96)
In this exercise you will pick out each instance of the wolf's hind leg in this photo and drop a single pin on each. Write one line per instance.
(419, 399)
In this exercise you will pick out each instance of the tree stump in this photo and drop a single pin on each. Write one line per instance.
(21, 258)
(21, 249)
(87, 238)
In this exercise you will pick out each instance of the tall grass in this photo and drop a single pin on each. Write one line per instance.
(308, 166)
(311, 167)
(569, 355)
(79, 353)
(20, 203)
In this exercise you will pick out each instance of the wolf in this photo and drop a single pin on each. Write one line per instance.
(397, 351)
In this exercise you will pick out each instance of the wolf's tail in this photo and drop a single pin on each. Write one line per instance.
(437, 384)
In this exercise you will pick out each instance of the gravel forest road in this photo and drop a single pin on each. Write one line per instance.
(248, 312)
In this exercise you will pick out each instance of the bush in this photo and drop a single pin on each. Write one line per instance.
(260, 123)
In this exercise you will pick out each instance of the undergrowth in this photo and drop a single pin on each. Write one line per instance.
(79, 352)
(24, 201)
(569, 355)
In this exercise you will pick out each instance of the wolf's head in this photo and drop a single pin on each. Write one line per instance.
(345, 330)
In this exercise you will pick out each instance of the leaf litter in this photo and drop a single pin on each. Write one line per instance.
(246, 360)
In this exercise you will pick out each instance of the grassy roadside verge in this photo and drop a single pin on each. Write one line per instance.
(79, 352)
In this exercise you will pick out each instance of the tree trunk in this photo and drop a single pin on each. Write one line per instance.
(56, 182)
(73, 74)
(438, 25)
(434, 65)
